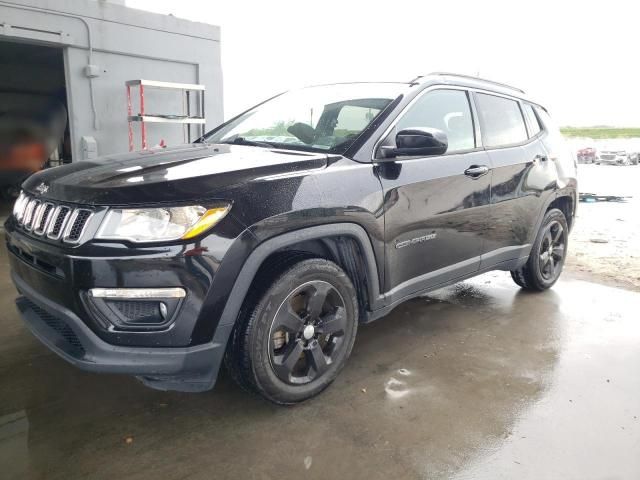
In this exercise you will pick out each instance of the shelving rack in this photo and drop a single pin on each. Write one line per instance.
(143, 118)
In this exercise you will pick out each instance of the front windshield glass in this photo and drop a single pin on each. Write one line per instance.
(325, 118)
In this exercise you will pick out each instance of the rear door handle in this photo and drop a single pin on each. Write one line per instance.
(475, 171)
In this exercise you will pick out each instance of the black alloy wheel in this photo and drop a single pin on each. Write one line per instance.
(296, 332)
(548, 253)
(307, 332)
(552, 251)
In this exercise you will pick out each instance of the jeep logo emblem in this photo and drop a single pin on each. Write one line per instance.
(42, 188)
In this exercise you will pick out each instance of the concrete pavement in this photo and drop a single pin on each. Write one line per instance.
(476, 381)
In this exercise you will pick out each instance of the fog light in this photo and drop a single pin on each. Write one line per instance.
(140, 309)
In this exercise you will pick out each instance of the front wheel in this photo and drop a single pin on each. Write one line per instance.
(296, 336)
(544, 266)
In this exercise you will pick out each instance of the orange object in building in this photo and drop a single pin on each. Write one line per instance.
(28, 157)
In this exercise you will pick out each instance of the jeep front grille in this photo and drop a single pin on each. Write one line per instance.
(47, 219)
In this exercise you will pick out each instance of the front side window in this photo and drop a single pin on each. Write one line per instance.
(501, 121)
(327, 118)
(446, 110)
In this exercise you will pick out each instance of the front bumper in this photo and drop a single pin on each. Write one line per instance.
(184, 369)
(185, 354)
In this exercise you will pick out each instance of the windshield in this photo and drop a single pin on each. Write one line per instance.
(325, 118)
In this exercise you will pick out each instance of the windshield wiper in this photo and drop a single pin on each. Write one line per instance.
(249, 143)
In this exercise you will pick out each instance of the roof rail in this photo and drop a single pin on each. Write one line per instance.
(477, 78)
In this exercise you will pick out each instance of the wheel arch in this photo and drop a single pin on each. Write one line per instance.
(566, 204)
(565, 201)
(347, 244)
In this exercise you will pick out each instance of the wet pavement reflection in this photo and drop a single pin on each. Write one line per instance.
(479, 380)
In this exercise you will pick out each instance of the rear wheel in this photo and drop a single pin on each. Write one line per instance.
(296, 336)
(544, 266)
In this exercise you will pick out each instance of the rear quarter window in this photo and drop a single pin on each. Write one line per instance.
(532, 120)
(549, 125)
(546, 119)
(501, 121)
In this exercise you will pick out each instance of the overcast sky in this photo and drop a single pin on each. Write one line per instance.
(579, 59)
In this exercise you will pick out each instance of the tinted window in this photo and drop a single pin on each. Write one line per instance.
(446, 110)
(532, 120)
(501, 121)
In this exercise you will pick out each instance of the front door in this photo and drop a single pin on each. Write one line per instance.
(436, 208)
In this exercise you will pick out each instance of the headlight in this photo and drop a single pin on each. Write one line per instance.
(159, 224)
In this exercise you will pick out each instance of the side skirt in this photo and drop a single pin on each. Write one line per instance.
(507, 265)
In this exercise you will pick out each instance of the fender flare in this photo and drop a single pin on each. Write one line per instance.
(263, 250)
(552, 198)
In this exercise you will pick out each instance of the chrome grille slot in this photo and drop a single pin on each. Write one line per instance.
(58, 222)
(19, 207)
(76, 225)
(30, 213)
(43, 218)
(37, 216)
(50, 220)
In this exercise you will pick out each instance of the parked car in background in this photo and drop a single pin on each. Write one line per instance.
(615, 157)
(586, 155)
(266, 255)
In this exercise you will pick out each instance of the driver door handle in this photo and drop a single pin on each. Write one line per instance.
(475, 171)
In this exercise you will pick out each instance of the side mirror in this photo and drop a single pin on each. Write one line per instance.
(418, 141)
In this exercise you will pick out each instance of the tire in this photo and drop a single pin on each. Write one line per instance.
(296, 333)
(548, 254)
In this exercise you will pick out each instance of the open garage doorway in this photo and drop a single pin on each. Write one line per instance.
(34, 126)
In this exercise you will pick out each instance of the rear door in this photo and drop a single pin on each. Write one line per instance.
(519, 161)
(436, 207)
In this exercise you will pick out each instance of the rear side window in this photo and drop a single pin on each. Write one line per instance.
(532, 120)
(501, 121)
(446, 110)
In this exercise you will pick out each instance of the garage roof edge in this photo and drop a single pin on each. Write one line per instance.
(108, 12)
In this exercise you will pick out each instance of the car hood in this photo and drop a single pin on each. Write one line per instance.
(189, 172)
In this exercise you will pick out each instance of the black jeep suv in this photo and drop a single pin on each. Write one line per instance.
(265, 243)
